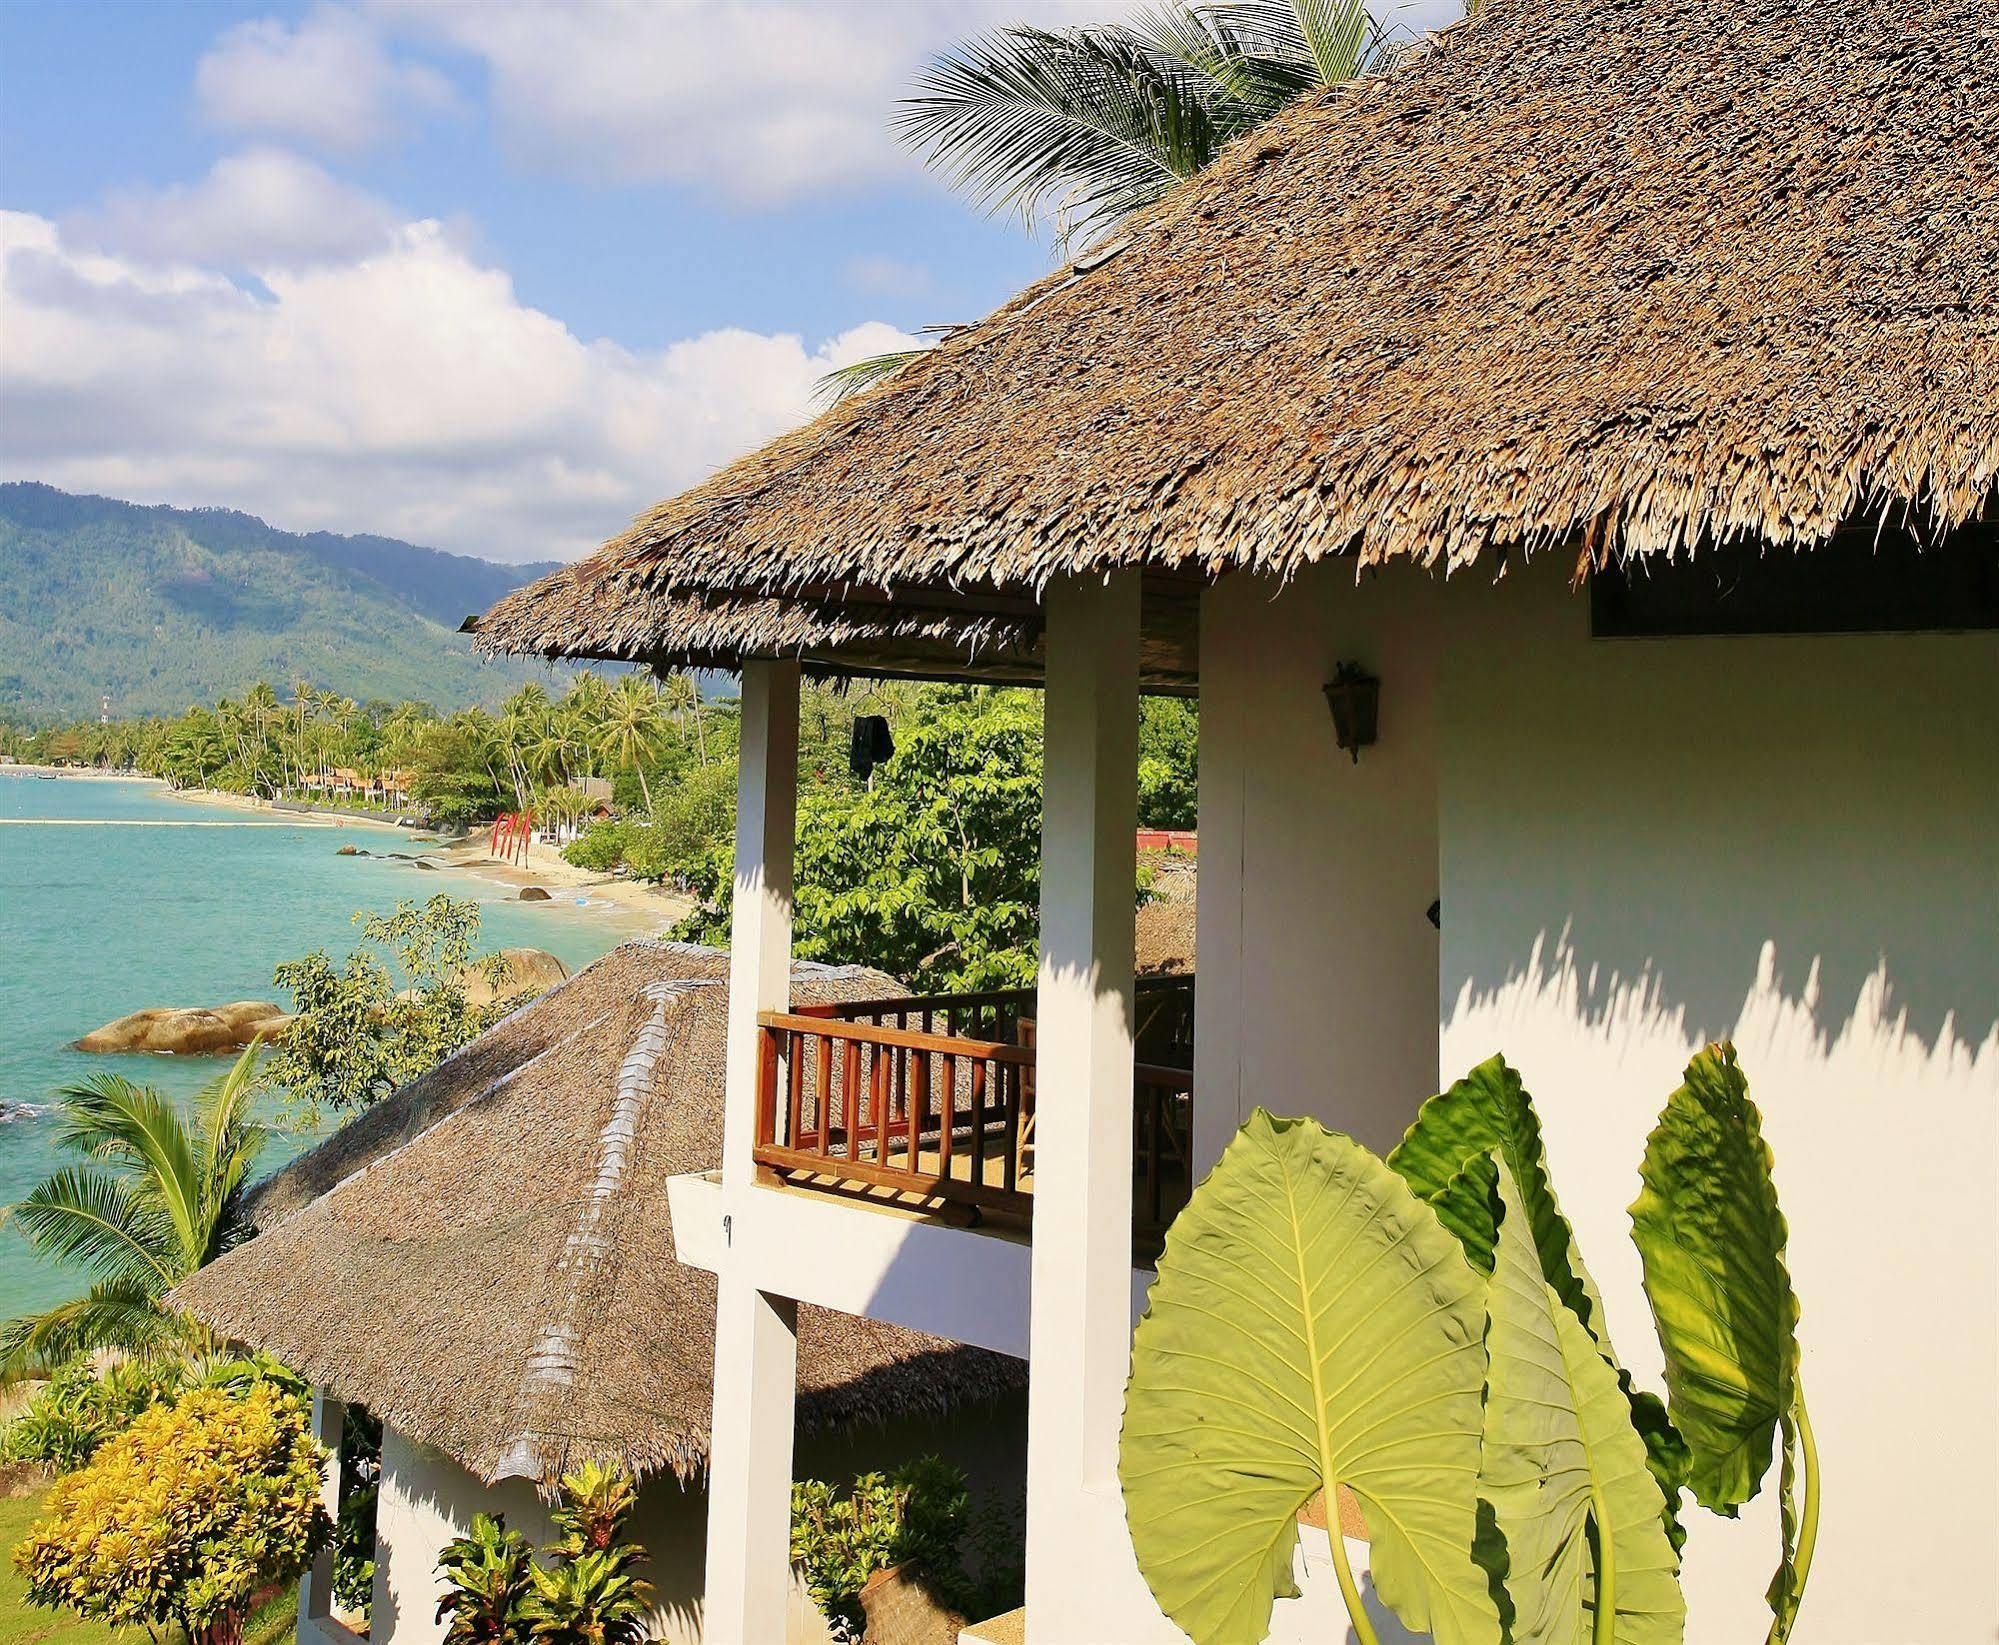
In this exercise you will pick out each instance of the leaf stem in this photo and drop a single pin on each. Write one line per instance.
(1363, 1624)
(1808, 1519)
(1603, 1629)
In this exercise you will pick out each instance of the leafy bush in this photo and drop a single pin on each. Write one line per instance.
(79, 1408)
(916, 1514)
(354, 1531)
(185, 1517)
(601, 847)
(588, 1593)
(356, 1035)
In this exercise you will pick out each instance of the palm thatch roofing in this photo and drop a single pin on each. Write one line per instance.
(1614, 276)
(486, 1260)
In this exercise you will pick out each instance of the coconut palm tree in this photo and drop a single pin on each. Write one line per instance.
(1080, 127)
(629, 728)
(162, 1194)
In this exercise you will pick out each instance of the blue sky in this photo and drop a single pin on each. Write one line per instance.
(489, 276)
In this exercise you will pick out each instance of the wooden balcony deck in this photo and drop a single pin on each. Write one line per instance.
(929, 1102)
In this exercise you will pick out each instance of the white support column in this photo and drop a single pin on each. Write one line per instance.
(315, 1586)
(760, 928)
(756, 1335)
(1083, 1586)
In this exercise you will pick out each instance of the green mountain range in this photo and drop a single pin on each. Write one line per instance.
(159, 608)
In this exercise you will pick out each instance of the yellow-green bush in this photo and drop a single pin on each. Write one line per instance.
(184, 1517)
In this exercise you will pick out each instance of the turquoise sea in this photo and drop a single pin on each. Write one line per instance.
(99, 917)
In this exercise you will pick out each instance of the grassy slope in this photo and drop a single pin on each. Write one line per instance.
(161, 608)
(25, 1624)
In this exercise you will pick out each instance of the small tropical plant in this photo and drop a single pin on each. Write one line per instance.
(1423, 1332)
(160, 1196)
(488, 1577)
(186, 1517)
(588, 1593)
(582, 1589)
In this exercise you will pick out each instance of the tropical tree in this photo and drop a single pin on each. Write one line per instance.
(162, 1195)
(629, 728)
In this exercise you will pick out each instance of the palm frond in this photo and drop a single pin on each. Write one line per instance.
(852, 379)
(1255, 54)
(230, 1140)
(1342, 37)
(95, 1221)
(112, 1314)
(1086, 123)
(137, 1127)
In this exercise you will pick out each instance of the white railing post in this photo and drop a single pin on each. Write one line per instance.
(756, 1342)
(1083, 1585)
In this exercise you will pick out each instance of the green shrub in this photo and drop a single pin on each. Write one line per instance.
(601, 847)
(916, 1514)
(79, 1408)
(360, 1488)
(486, 1582)
(185, 1517)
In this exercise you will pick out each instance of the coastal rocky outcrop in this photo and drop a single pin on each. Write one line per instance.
(528, 971)
(533, 893)
(188, 1031)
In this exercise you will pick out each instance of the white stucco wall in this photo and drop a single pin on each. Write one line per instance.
(1318, 967)
(1793, 842)
(427, 1499)
(1641, 845)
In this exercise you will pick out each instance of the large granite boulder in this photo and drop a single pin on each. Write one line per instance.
(189, 1031)
(528, 971)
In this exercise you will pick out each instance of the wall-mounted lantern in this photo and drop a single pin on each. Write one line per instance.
(1354, 695)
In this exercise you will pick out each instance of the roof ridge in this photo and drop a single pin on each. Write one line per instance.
(551, 1365)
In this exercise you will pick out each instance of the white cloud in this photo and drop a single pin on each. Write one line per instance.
(262, 206)
(761, 100)
(327, 82)
(878, 276)
(409, 392)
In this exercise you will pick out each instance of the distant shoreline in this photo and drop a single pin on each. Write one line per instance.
(78, 773)
(635, 905)
(638, 906)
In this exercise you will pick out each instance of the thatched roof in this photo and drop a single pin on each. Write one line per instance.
(486, 1259)
(1163, 937)
(1616, 276)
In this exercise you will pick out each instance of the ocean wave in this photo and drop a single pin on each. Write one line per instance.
(11, 1111)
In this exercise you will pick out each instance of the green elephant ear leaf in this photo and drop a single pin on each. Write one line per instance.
(1565, 1470)
(1448, 1157)
(1489, 1109)
(1313, 1325)
(1712, 1238)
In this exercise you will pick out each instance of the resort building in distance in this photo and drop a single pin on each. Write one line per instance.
(1566, 468)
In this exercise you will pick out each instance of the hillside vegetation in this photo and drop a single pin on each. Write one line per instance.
(160, 607)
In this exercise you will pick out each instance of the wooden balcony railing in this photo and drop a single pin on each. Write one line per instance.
(932, 1100)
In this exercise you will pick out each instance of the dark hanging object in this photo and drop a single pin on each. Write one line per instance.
(873, 745)
(1354, 695)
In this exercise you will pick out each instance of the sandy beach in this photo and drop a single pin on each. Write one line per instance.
(650, 907)
(636, 905)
